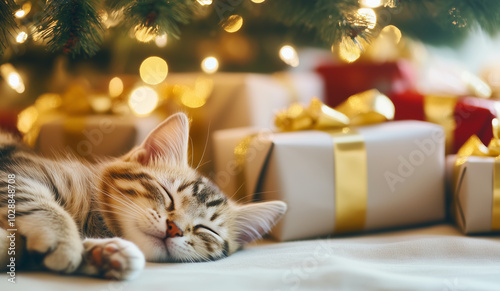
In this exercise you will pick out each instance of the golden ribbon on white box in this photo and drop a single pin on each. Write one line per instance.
(349, 150)
(475, 147)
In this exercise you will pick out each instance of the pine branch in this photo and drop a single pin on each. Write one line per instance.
(156, 16)
(331, 20)
(73, 26)
(7, 22)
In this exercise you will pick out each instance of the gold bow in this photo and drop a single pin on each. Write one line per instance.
(364, 108)
(475, 147)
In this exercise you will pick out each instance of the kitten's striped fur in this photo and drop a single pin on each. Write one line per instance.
(150, 197)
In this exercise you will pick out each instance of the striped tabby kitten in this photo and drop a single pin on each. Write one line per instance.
(147, 204)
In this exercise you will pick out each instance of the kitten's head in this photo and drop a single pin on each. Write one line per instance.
(152, 197)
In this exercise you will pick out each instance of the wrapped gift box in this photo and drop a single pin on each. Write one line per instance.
(89, 136)
(237, 100)
(476, 200)
(403, 177)
(344, 80)
(461, 117)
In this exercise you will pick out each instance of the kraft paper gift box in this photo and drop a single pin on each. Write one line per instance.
(401, 184)
(89, 136)
(476, 199)
(236, 100)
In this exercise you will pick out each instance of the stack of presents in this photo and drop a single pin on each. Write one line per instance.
(349, 148)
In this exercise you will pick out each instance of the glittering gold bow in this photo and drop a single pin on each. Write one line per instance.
(475, 147)
(364, 108)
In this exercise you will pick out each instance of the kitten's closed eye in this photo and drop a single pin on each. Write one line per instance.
(200, 226)
(172, 205)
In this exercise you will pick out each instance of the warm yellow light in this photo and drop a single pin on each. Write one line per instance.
(289, 55)
(144, 34)
(371, 3)
(115, 87)
(20, 13)
(368, 16)
(48, 101)
(22, 37)
(26, 119)
(100, 103)
(204, 2)
(210, 65)
(349, 51)
(161, 41)
(258, 1)
(392, 32)
(143, 101)
(14, 80)
(153, 70)
(233, 23)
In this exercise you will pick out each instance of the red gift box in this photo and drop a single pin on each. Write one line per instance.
(344, 80)
(462, 117)
(473, 116)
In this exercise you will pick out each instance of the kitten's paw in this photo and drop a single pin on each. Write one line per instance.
(113, 258)
(64, 258)
(59, 255)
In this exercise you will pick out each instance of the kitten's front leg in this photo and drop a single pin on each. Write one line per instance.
(51, 232)
(111, 258)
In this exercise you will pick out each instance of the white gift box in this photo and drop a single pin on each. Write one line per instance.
(473, 194)
(404, 175)
(90, 136)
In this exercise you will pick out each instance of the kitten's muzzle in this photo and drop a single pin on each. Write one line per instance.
(173, 230)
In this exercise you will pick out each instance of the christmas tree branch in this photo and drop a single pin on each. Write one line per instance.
(157, 17)
(7, 22)
(72, 25)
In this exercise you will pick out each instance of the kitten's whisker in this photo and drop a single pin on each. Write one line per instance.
(235, 192)
(132, 204)
(192, 146)
(206, 144)
(130, 207)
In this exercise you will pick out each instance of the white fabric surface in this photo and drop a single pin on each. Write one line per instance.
(430, 258)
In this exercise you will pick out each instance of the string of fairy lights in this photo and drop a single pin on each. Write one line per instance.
(153, 71)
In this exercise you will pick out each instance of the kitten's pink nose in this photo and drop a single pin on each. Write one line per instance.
(173, 230)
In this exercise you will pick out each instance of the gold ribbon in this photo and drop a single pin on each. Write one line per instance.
(475, 147)
(351, 185)
(439, 110)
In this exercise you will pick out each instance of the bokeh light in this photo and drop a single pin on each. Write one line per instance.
(368, 16)
(143, 101)
(289, 55)
(115, 87)
(349, 50)
(371, 3)
(153, 70)
(204, 2)
(22, 37)
(210, 65)
(161, 40)
(233, 23)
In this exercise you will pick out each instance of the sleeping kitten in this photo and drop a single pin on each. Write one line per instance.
(147, 204)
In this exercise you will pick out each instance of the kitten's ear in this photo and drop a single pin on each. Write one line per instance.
(255, 219)
(168, 142)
